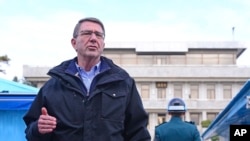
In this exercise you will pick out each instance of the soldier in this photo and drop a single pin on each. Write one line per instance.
(177, 129)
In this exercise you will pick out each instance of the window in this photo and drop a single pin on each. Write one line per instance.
(159, 60)
(227, 91)
(145, 91)
(178, 90)
(194, 59)
(178, 59)
(210, 59)
(226, 58)
(145, 60)
(194, 91)
(161, 89)
(128, 59)
(210, 91)
(161, 118)
(211, 116)
(195, 117)
(161, 93)
(115, 58)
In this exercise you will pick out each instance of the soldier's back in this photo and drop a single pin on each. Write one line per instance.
(177, 130)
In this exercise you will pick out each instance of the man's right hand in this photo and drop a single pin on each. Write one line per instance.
(46, 123)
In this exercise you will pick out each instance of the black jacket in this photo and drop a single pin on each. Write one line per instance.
(113, 111)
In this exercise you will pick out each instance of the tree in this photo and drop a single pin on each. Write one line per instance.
(205, 123)
(4, 59)
(15, 79)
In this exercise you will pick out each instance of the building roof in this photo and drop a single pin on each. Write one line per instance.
(236, 113)
(16, 96)
(176, 47)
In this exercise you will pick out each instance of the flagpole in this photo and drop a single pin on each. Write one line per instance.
(233, 32)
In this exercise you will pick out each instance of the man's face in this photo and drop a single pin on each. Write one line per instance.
(89, 41)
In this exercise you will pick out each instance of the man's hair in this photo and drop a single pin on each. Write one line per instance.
(89, 19)
(176, 114)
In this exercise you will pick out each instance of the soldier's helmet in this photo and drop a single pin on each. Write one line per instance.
(176, 105)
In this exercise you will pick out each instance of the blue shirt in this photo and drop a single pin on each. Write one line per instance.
(88, 76)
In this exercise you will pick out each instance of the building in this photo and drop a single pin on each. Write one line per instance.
(204, 74)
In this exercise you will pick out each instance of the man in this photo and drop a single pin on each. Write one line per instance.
(177, 129)
(88, 98)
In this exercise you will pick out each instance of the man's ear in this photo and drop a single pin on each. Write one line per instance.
(73, 43)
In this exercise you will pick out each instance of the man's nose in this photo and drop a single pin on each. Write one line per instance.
(93, 38)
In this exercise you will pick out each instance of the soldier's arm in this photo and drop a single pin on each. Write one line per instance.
(197, 136)
(157, 136)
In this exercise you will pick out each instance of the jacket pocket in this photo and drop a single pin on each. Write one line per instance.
(113, 105)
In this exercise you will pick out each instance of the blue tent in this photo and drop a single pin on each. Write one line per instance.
(235, 113)
(15, 100)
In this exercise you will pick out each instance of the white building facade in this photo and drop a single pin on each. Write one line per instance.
(204, 74)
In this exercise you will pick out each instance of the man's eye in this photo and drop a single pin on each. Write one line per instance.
(89, 34)
(86, 33)
(98, 34)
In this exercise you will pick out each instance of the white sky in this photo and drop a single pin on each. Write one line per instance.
(38, 33)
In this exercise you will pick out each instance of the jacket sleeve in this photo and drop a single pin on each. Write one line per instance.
(136, 117)
(157, 136)
(31, 120)
(197, 136)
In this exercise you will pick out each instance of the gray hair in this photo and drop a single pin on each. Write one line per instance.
(89, 19)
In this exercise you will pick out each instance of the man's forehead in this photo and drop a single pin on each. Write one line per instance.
(88, 24)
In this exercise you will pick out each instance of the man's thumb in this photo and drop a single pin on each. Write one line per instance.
(44, 111)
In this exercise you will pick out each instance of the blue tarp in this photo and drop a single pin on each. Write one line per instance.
(12, 126)
(11, 87)
(235, 113)
(16, 96)
(15, 100)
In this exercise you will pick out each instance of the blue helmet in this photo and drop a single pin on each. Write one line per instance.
(176, 105)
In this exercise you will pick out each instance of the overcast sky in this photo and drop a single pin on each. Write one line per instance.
(38, 32)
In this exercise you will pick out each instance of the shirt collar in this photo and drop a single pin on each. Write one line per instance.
(93, 71)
